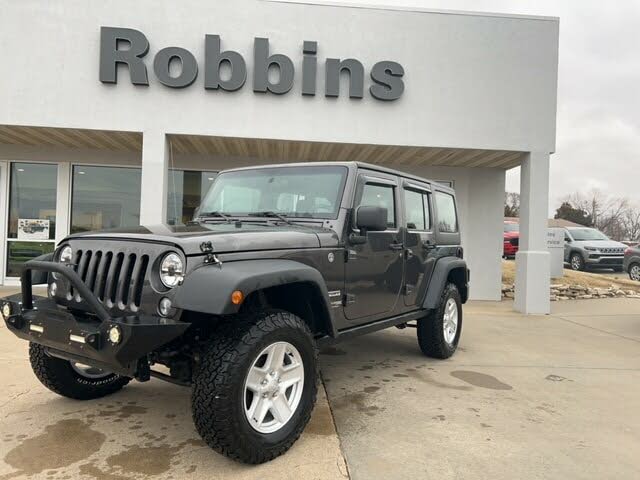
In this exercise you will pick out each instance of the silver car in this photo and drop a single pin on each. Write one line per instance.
(632, 262)
(586, 247)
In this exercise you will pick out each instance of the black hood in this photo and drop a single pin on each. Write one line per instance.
(225, 237)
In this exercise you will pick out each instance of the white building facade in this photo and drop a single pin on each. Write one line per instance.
(115, 113)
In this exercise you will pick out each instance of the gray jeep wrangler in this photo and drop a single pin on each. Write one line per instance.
(278, 262)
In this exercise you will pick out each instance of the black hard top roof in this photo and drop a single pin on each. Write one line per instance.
(364, 165)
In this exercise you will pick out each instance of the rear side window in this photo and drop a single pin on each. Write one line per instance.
(380, 196)
(417, 210)
(446, 208)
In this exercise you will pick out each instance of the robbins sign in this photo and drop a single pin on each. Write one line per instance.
(386, 75)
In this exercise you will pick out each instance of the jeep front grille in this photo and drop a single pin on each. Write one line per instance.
(116, 278)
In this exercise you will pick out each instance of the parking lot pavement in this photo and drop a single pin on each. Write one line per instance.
(524, 397)
(143, 432)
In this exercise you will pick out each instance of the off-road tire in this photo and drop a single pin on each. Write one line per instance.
(218, 385)
(579, 265)
(430, 328)
(58, 376)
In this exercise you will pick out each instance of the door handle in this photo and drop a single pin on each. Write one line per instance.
(428, 245)
(396, 246)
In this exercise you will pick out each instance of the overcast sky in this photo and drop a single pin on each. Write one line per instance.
(598, 135)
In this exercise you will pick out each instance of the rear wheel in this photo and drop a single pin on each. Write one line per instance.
(439, 332)
(73, 379)
(634, 271)
(576, 262)
(255, 386)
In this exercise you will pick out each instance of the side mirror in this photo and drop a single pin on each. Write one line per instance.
(371, 219)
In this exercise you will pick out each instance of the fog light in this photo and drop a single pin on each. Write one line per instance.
(115, 335)
(6, 310)
(164, 307)
(53, 288)
(36, 328)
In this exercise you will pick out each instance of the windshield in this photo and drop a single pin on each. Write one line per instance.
(511, 227)
(313, 192)
(585, 234)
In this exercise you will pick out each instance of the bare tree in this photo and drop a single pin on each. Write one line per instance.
(631, 221)
(614, 216)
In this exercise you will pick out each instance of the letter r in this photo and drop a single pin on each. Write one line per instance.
(111, 55)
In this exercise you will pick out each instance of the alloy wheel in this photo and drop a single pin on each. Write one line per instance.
(450, 320)
(273, 387)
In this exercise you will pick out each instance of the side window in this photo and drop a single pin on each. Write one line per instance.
(415, 210)
(445, 206)
(380, 196)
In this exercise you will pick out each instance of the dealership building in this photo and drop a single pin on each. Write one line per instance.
(117, 113)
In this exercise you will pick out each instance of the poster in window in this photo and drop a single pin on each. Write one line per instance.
(33, 229)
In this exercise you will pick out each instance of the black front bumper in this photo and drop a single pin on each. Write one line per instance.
(86, 337)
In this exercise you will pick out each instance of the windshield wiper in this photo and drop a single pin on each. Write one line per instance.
(214, 215)
(271, 214)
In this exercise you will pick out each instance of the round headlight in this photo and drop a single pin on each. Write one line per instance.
(66, 255)
(171, 270)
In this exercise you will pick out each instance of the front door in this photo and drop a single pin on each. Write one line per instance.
(374, 269)
(419, 245)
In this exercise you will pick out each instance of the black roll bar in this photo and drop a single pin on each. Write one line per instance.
(67, 272)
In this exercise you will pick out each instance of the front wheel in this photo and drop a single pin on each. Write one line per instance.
(73, 379)
(576, 262)
(634, 272)
(439, 332)
(255, 386)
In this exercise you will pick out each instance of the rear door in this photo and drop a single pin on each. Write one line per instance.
(419, 241)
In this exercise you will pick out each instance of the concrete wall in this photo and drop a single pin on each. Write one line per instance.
(476, 81)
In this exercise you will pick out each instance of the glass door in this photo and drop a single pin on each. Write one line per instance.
(31, 224)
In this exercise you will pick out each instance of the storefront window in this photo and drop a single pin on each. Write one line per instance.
(104, 197)
(32, 213)
(186, 189)
(20, 252)
(32, 201)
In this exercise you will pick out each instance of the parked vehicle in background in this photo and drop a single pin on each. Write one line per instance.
(511, 238)
(632, 262)
(586, 248)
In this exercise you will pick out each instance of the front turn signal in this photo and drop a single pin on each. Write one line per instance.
(237, 297)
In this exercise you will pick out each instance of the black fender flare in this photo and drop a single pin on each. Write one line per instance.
(208, 288)
(440, 277)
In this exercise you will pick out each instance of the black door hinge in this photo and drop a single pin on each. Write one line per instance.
(347, 299)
